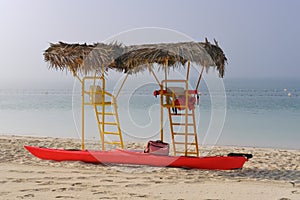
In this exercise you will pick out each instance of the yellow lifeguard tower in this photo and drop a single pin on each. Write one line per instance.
(83, 60)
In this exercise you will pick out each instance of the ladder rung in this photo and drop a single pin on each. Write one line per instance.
(107, 103)
(99, 104)
(189, 152)
(111, 133)
(106, 113)
(175, 106)
(182, 124)
(109, 123)
(180, 114)
(119, 143)
(193, 143)
(189, 134)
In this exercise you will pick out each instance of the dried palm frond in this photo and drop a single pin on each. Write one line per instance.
(83, 58)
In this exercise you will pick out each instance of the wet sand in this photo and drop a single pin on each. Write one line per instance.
(270, 174)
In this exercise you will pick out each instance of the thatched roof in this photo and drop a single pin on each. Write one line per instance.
(136, 60)
(132, 59)
(81, 58)
(176, 54)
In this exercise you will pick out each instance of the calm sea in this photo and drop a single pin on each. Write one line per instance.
(259, 113)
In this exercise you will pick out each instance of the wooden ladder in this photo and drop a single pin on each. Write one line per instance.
(188, 136)
(109, 118)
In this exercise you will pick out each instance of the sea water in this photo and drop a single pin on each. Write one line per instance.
(258, 112)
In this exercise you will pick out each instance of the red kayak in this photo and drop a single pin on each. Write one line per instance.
(119, 156)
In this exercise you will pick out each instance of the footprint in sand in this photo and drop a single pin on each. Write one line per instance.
(137, 185)
(29, 195)
(64, 197)
(4, 193)
(18, 180)
(64, 178)
(157, 182)
(99, 192)
(21, 171)
(75, 172)
(74, 184)
(122, 181)
(96, 186)
(12, 170)
(76, 189)
(25, 196)
(59, 190)
(138, 195)
(295, 192)
(110, 186)
(107, 180)
(131, 178)
(35, 190)
(45, 182)
(81, 177)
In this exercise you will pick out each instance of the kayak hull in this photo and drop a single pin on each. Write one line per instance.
(119, 156)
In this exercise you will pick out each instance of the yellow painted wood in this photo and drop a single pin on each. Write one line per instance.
(122, 85)
(192, 143)
(75, 74)
(82, 115)
(111, 133)
(188, 70)
(108, 123)
(103, 109)
(107, 103)
(195, 132)
(186, 116)
(172, 131)
(180, 114)
(199, 79)
(187, 134)
(118, 123)
(98, 124)
(106, 113)
(161, 115)
(151, 70)
(101, 112)
(115, 143)
(183, 124)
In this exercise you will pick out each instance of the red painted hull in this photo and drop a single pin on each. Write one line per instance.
(119, 156)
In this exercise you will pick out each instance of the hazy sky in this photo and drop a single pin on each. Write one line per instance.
(259, 38)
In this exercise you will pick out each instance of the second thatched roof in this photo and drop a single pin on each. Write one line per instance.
(83, 58)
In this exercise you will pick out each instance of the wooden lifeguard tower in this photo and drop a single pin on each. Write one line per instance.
(82, 59)
(183, 127)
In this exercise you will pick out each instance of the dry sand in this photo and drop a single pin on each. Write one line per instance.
(271, 174)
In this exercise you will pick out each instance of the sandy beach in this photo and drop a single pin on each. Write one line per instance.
(270, 174)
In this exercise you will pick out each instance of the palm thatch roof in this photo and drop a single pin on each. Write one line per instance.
(81, 58)
(85, 58)
(176, 54)
(134, 61)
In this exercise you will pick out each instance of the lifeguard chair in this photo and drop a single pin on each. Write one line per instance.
(106, 111)
(180, 103)
(83, 58)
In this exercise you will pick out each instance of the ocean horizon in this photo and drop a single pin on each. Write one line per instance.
(259, 113)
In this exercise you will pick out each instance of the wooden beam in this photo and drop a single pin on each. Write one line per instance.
(122, 85)
(200, 76)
